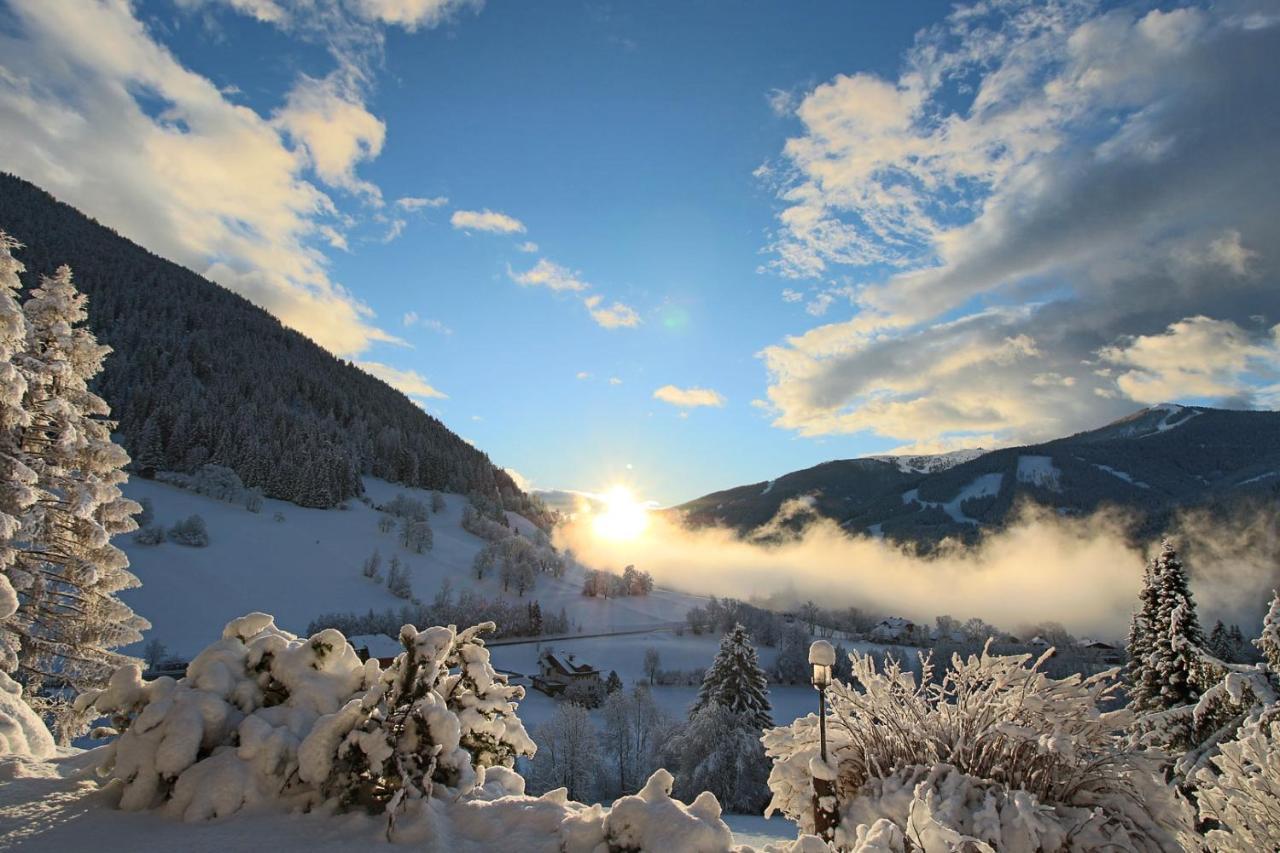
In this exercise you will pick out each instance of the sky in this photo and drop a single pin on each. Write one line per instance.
(684, 246)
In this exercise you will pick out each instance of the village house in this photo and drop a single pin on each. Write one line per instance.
(556, 672)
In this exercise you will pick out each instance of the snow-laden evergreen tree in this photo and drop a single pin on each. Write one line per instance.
(720, 751)
(1269, 642)
(735, 681)
(1176, 638)
(1140, 677)
(70, 619)
(16, 478)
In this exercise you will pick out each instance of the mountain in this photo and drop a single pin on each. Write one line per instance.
(201, 375)
(1153, 463)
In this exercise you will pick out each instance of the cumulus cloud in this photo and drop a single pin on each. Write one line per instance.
(1197, 356)
(1106, 173)
(615, 316)
(486, 220)
(411, 382)
(549, 274)
(689, 397)
(414, 14)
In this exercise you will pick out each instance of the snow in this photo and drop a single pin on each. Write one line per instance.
(1172, 410)
(1122, 475)
(309, 564)
(21, 731)
(1039, 471)
(1258, 478)
(983, 486)
(930, 463)
(768, 487)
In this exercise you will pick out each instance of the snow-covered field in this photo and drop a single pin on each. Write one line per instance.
(309, 564)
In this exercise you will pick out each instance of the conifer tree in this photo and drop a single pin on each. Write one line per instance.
(736, 681)
(1143, 685)
(1269, 642)
(70, 620)
(1173, 660)
(16, 478)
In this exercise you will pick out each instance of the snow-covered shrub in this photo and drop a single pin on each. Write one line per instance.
(191, 531)
(652, 820)
(993, 752)
(403, 506)
(214, 481)
(263, 716)
(147, 515)
(439, 715)
(22, 732)
(1242, 791)
(150, 535)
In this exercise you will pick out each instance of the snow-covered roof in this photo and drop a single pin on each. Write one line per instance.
(377, 645)
(568, 665)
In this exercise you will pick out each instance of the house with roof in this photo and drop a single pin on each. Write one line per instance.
(380, 647)
(556, 672)
(896, 629)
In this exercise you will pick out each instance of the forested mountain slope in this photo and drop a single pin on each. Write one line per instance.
(200, 374)
(1153, 463)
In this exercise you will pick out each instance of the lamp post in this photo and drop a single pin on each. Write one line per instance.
(822, 657)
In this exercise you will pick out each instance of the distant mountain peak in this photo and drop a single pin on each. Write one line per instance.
(930, 463)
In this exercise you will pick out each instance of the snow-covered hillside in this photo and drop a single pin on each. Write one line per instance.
(309, 563)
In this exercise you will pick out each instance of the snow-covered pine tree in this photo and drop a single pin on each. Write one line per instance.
(16, 478)
(1269, 642)
(69, 619)
(1176, 638)
(736, 681)
(1141, 678)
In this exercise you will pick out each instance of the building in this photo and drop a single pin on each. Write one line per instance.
(556, 672)
(895, 629)
(380, 647)
(1103, 652)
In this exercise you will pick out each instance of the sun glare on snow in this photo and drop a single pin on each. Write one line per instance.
(623, 517)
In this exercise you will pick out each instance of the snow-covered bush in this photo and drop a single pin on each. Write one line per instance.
(263, 716)
(993, 752)
(1242, 791)
(150, 535)
(22, 732)
(439, 715)
(217, 482)
(191, 531)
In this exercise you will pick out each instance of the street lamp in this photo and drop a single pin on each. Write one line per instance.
(822, 657)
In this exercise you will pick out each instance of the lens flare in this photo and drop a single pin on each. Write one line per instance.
(622, 518)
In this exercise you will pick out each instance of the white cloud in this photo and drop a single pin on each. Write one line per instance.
(410, 317)
(411, 382)
(327, 119)
(613, 380)
(210, 184)
(414, 14)
(522, 482)
(1196, 357)
(613, 316)
(486, 220)
(548, 274)
(414, 203)
(528, 247)
(688, 397)
(1098, 170)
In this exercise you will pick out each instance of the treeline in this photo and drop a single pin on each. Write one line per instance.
(201, 375)
(514, 619)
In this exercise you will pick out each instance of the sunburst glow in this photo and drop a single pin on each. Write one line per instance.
(623, 517)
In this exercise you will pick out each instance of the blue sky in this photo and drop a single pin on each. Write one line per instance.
(825, 229)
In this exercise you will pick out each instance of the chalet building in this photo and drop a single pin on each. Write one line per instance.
(895, 629)
(380, 647)
(556, 672)
(1103, 652)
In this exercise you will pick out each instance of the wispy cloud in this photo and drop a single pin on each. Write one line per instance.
(415, 203)
(411, 382)
(412, 318)
(615, 316)
(208, 183)
(528, 247)
(549, 274)
(486, 220)
(689, 398)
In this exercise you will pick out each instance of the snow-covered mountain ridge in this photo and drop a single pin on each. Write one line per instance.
(1152, 462)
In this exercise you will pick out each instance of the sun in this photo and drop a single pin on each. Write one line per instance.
(622, 518)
